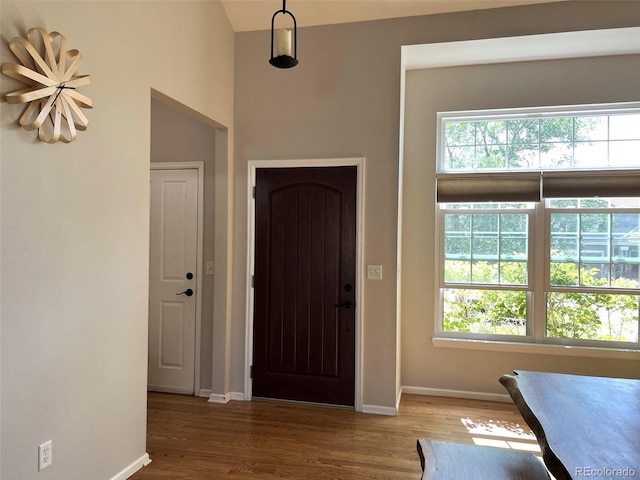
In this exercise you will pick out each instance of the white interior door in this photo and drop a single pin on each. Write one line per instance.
(172, 280)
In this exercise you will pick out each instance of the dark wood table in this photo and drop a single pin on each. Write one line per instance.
(586, 426)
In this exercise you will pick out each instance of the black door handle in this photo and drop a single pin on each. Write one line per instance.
(188, 292)
(346, 304)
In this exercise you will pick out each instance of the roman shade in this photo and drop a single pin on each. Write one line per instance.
(601, 183)
(532, 187)
(489, 187)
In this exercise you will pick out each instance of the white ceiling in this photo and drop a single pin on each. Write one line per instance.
(247, 15)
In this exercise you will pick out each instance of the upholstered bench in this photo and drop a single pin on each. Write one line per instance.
(455, 461)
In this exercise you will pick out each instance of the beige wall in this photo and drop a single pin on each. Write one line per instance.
(559, 82)
(179, 137)
(342, 100)
(74, 230)
(74, 218)
(338, 102)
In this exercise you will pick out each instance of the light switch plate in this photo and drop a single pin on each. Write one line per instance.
(209, 268)
(374, 272)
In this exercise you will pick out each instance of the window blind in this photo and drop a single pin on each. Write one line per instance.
(601, 183)
(456, 188)
(496, 187)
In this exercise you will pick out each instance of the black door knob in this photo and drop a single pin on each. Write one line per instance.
(188, 292)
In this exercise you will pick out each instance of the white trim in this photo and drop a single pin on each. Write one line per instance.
(143, 461)
(359, 163)
(538, 112)
(163, 389)
(248, 334)
(399, 226)
(536, 348)
(237, 396)
(199, 166)
(204, 393)
(379, 410)
(589, 43)
(226, 398)
(219, 398)
(439, 392)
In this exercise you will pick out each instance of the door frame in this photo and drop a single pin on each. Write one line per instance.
(359, 163)
(199, 167)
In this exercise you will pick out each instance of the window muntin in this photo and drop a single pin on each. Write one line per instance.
(594, 269)
(598, 249)
(485, 246)
(586, 251)
(486, 268)
(553, 141)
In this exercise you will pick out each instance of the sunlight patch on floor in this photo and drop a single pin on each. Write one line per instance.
(501, 434)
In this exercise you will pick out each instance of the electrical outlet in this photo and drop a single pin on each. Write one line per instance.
(45, 455)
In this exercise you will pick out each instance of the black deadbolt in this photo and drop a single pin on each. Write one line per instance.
(348, 287)
(189, 276)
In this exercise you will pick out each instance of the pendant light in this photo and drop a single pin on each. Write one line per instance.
(284, 42)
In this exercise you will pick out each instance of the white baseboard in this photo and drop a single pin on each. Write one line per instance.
(222, 399)
(201, 393)
(143, 461)
(219, 398)
(378, 410)
(439, 392)
(158, 388)
(204, 393)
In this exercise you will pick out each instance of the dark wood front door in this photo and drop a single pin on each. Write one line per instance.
(305, 256)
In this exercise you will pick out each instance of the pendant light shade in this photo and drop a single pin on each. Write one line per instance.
(284, 42)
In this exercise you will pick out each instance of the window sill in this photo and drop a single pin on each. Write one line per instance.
(535, 348)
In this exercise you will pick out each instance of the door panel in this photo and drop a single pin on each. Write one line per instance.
(173, 254)
(304, 344)
(172, 334)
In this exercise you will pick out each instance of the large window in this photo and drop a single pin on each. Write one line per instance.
(539, 225)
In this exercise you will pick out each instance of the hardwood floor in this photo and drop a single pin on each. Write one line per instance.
(191, 439)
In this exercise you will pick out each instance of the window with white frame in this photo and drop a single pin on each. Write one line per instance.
(539, 225)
